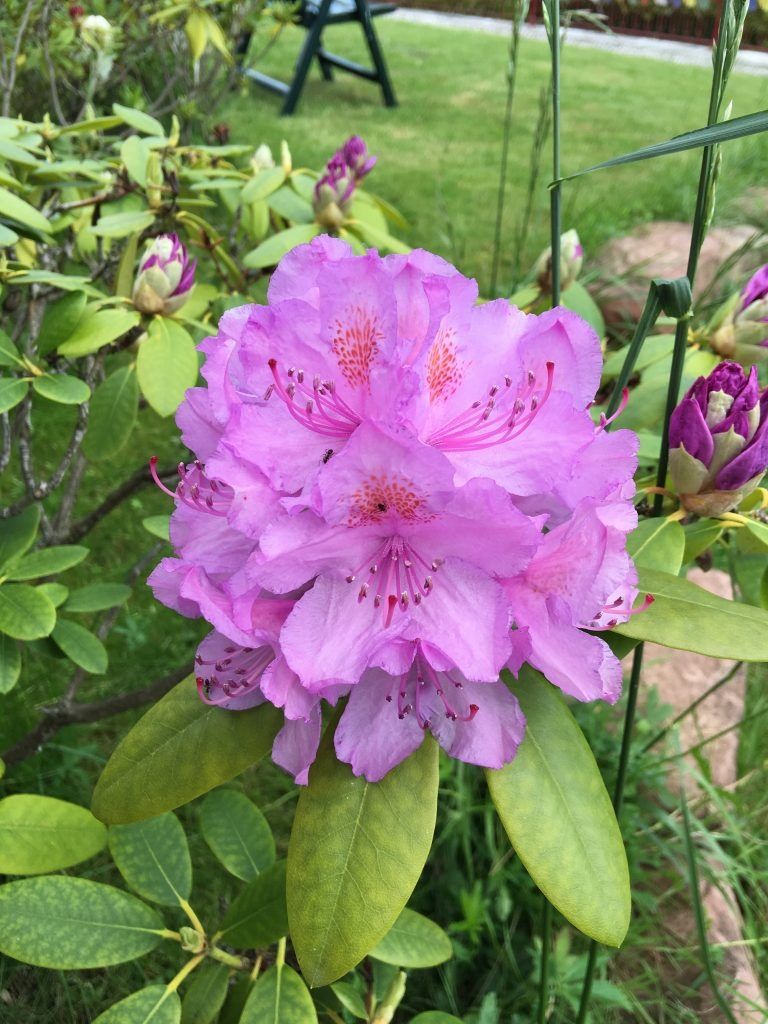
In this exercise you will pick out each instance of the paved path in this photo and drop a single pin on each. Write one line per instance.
(749, 62)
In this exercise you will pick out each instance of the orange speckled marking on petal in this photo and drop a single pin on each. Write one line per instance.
(444, 371)
(355, 344)
(381, 496)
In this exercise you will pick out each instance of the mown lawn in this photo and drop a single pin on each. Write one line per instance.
(440, 149)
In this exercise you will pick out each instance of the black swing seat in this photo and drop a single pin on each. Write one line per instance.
(315, 16)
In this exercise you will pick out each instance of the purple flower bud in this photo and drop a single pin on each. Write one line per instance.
(718, 437)
(165, 277)
(355, 154)
(756, 288)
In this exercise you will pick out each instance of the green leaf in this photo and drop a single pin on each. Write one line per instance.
(96, 328)
(138, 119)
(120, 225)
(350, 999)
(39, 834)
(657, 544)
(236, 999)
(413, 941)
(153, 858)
(10, 663)
(167, 365)
(92, 124)
(62, 387)
(59, 321)
(577, 298)
(272, 249)
(699, 536)
(237, 833)
(9, 354)
(724, 131)
(47, 561)
(12, 391)
(759, 532)
(81, 646)
(557, 813)
(263, 184)
(19, 210)
(17, 533)
(97, 597)
(155, 1004)
(72, 923)
(180, 749)
(258, 917)
(279, 997)
(134, 153)
(205, 996)
(356, 851)
(7, 235)
(158, 526)
(435, 1017)
(113, 412)
(25, 613)
(689, 618)
(372, 235)
(55, 592)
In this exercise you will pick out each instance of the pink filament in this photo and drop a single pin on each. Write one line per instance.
(319, 408)
(195, 490)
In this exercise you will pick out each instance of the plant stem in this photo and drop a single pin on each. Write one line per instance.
(618, 800)
(240, 963)
(188, 967)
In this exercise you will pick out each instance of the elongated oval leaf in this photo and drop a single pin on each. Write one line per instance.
(71, 923)
(699, 536)
(138, 119)
(96, 597)
(279, 997)
(263, 184)
(81, 646)
(167, 365)
(98, 327)
(356, 852)
(557, 813)
(18, 209)
(113, 411)
(55, 592)
(237, 833)
(658, 544)
(153, 1005)
(413, 941)
(17, 533)
(119, 225)
(180, 749)
(205, 996)
(272, 249)
(39, 834)
(258, 917)
(25, 613)
(691, 619)
(153, 858)
(59, 321)
(62, 388)
(47, 561)
(12, 391)
(10, 663)
(435, 1017)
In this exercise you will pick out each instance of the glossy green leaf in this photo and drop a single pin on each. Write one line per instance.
(557, 813)
(166, 365)
(47, 562)
(279, 997)
(62, 388)
(435, 1017)
(55, 592)
(19, 210)
(59, 321)
(759, 531)
(700, 536)
(120, 225)
(139, 120)
(356, 852)
(350, 999)
(17, 533)
(12, 391)
(97, 597)
(578, 299)
(153, 858)
(205, 996)
(10, 663)
(237, 996)
(134, 152)
(689, 618)
(81, 646)
(263, 184)
(258, 916)
(657, 544)
(180, 749)
(25, 613)
(39, 834)
(152, 1005)
(71, 923)
(9, 354)
(96, 328)
(113, 411)
(413, 941)
(158, 526)
(272, 249)
(237, 833)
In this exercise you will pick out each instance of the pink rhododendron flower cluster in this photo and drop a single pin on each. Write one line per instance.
(397, 494)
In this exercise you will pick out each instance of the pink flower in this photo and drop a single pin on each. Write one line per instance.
(399, 493)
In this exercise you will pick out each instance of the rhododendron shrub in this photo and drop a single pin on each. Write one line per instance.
(398, 493)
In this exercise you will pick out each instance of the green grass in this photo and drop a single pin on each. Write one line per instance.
(439, 151)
